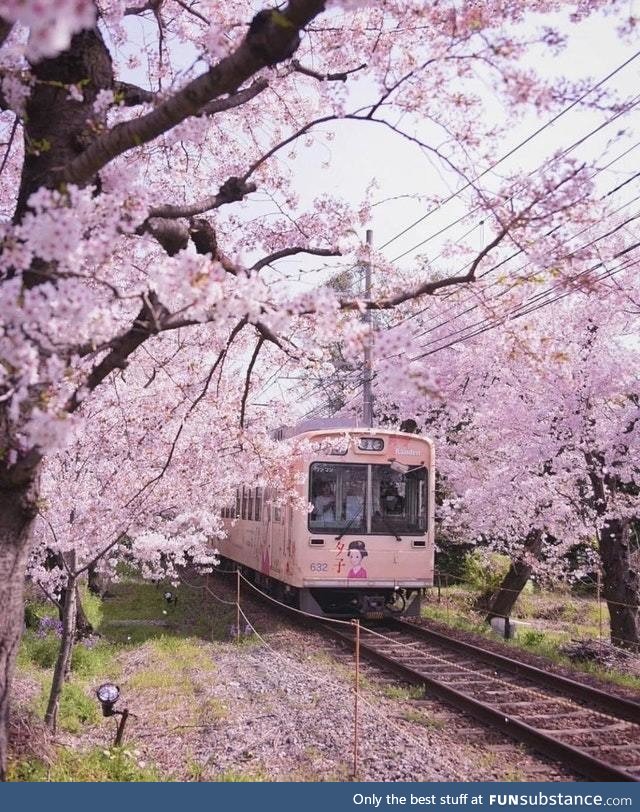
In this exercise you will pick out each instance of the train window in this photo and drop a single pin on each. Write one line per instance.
(337, 493)
(256, 513)
(245, 499)
(398, 500)
(250, 508)
(277, 510)
(372, 499)
(266, 504)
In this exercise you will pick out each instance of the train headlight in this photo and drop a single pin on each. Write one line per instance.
(371, 444)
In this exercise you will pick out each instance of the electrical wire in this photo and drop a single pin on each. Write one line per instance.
(515, 149)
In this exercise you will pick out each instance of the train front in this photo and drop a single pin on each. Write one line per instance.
(369, 547)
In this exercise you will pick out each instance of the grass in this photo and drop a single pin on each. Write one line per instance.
(175, 659)
(170, 663)
(135, 611)
(113, 764)
(417, 717)
(77, 708)
(40, 654)
(213, 711)
(404, 691)
(565, 617)
(237, 777)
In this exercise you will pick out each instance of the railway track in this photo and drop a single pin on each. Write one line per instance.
(584, 728)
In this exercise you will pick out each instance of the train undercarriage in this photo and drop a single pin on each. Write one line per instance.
(370, 603)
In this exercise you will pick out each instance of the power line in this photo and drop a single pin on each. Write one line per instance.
(634, 103)
(520, 250)
(525, 265)
(526, 309)
(513, 150)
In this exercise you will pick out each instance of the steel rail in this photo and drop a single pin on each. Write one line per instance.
(569, 755)
(621, 707)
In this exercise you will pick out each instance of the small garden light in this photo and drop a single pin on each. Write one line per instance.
(170, 597)
(108, 694)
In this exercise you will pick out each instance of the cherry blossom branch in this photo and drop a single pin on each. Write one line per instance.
(167, 463)
(193, 11)
(232, 191)
(288, 252)
(146, 324)
(428, 288)
(273, 37)
(102, 552)
(9, 144)
(340, 76)
(49, 596)
(265, 157)
(132, 95)
(150, 5)
(247, 380)
(235, 99)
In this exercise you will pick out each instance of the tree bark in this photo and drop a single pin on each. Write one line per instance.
(83, 624)
(621, 581)
(66, 647)
(16, 517)
(620, 564)
(502, 602)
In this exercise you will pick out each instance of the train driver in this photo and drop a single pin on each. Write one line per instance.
(324, 505)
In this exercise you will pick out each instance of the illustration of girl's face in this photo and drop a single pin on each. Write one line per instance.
(355, 556)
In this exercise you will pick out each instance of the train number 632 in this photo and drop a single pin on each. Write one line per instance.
(318, 566)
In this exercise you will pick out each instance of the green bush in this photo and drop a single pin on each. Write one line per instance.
(485, 571)
(450, 556)
(531, 638)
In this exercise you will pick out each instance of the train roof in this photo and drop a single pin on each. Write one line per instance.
(323, 425)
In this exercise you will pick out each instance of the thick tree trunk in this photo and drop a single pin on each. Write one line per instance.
(502, 602)
(621, 580)
(15, 523)
(57, 128)
(620, 565)
(66, 647)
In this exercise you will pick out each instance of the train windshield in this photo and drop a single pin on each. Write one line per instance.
(372, 499)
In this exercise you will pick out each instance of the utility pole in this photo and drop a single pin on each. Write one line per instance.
(367, 407)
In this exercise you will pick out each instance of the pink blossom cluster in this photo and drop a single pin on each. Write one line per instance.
(51, 23)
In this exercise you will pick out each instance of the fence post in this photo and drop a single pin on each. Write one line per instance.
(355, 710)
(600, 604)
(446, 599)
(439, 586)
(237, 605)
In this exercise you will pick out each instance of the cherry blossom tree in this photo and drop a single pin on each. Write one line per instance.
(537, 426)
(132, 209)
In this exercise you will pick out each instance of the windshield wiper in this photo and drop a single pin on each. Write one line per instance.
(350, 522)
(388, 526)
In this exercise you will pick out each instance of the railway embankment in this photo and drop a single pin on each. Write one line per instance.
(279, 705)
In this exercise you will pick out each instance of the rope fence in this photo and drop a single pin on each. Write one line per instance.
(361, 702)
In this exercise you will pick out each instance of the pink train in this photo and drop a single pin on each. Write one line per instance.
(364, 546)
